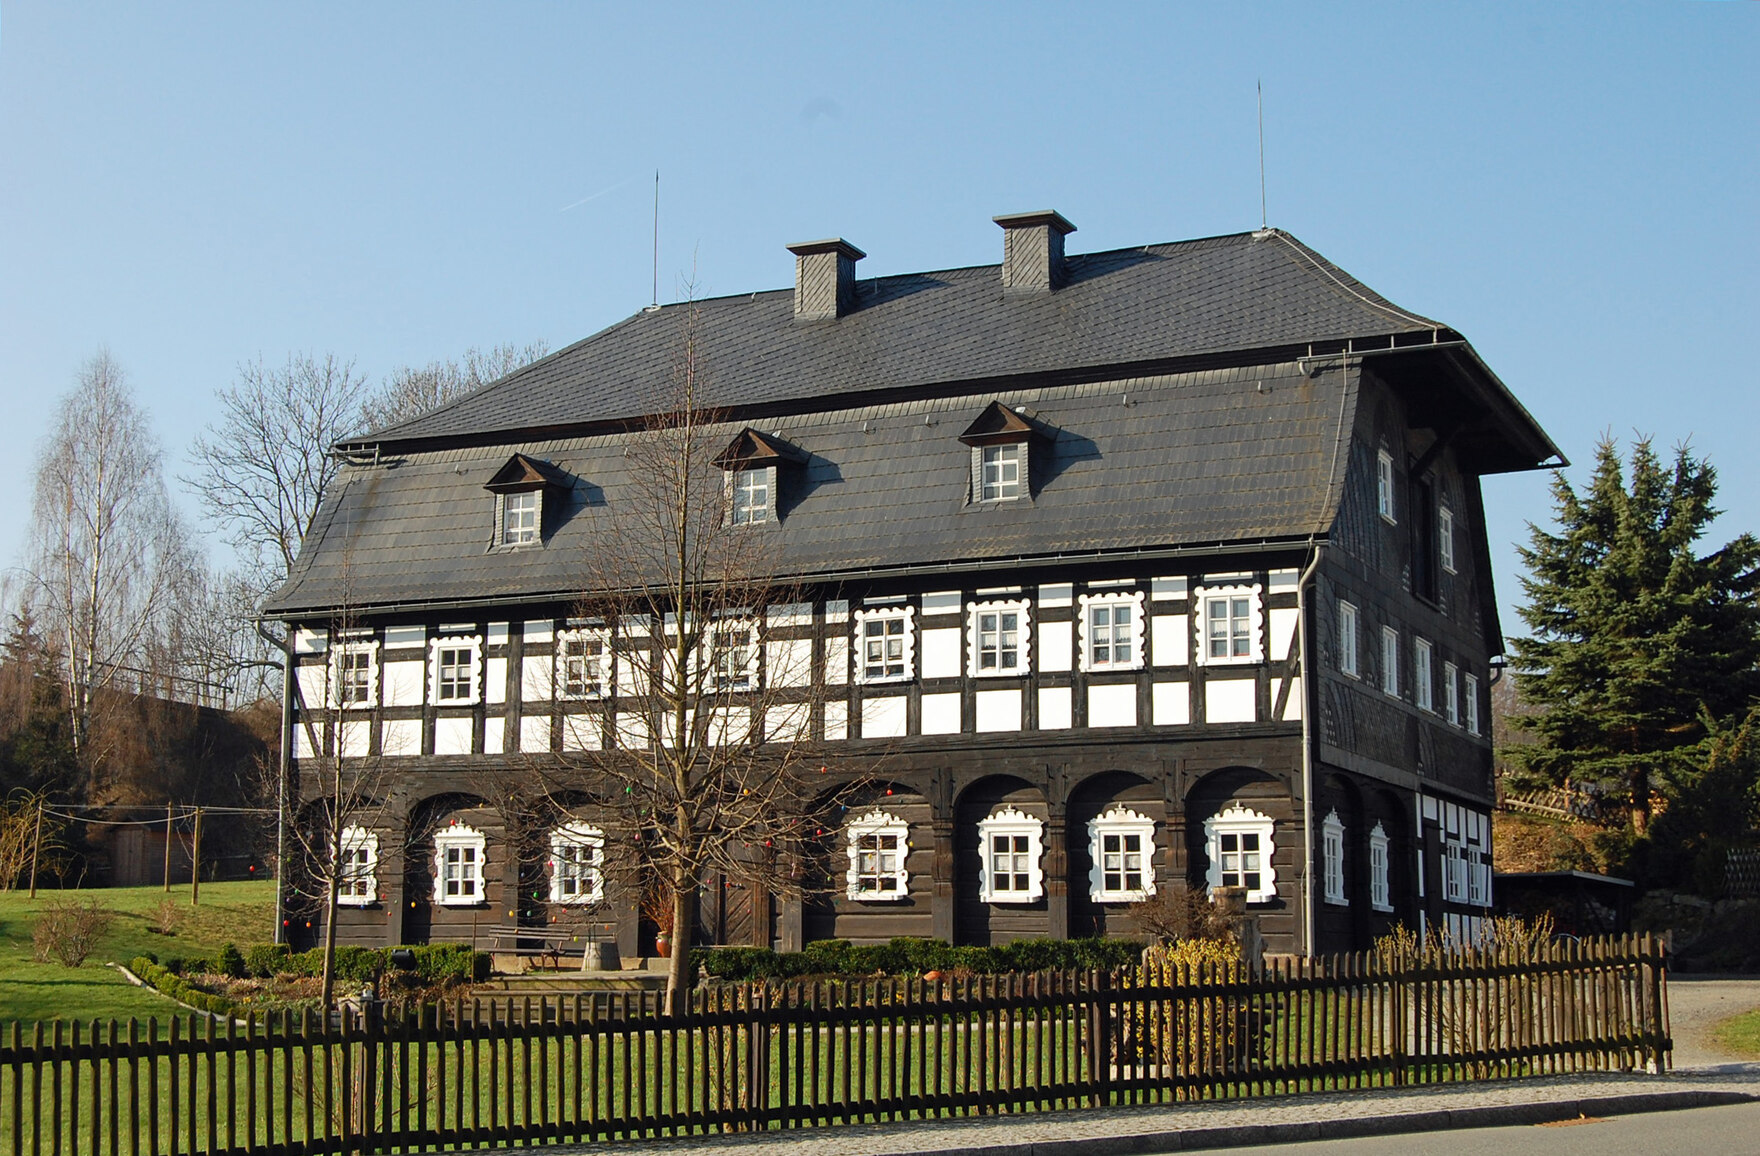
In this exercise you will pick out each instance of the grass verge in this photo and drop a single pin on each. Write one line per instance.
(1740, 1034)
(240, 912)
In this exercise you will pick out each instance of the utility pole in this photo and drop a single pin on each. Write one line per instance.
(167, 848)
(36, 847)
(195, 863)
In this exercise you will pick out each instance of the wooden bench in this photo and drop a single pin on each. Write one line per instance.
(549, 942)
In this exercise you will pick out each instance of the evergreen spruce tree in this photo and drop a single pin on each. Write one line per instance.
(1640, 643)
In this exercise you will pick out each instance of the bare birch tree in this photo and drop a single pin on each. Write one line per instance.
(414, 390)
(705, 756)
(110, 556)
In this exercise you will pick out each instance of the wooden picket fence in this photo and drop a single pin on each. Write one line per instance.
(761, 1056)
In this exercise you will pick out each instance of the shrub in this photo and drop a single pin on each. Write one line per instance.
(163, 980)
(1180, 912)
(68, 931)
(165, 917)
(230, 962)
(448, 963)
(266, 960)
(908, 955)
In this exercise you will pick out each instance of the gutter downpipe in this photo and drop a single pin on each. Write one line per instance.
(1308, 699)
(282, 768)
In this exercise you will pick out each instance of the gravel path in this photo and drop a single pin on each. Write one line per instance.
(1698, 1003)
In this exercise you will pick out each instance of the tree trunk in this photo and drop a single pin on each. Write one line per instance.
(684, 926)
(1640, 803)
(329, 984)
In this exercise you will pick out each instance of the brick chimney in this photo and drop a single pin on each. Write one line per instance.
(1032, 251)
(824, 279)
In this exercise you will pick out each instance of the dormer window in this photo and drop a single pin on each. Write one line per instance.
(753, 463)
(1001, 468)
(751, 496)
(519, 488)
(1001, 441)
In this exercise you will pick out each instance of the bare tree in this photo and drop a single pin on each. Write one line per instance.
(413, 390)
(704, 746)
(109, 554)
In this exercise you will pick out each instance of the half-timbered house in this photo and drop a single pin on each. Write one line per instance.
(1145, 567)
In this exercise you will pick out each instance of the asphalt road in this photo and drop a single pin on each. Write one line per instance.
(1729, 1131)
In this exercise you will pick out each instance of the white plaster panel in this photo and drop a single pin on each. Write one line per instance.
(1164, 589)
(302, 742)
(396, 636)
(941, 652)
(837, 610)
(883, 718)
(729, 726)
(1292, 710)
(1283, 631)
(1054, 708)
(310, 641)
(942, 602)
(401, 738)
(494, 735)
(1284, 581)
(632, 731)
(1232, 700)
(791, 614)
(534, 734)
(495, 683)
(788, 662)
(837, 661)
(1057, 594)
(539, 630)
(836, 720)
(786, 723)
(580, 732)
(1168, 639)
(452, 736)
(314, 684)
(941, 714)
(1112, 706)
(1055, 647)
(354, 739)
(998, 710)
(1171, 703)
(497, 633)
(405, 683)
(536, 678)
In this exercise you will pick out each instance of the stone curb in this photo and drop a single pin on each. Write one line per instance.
(1438, 1120)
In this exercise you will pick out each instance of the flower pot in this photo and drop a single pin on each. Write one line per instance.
(663, 944)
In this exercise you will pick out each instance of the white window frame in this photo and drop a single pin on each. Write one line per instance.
(588, 877)
(462, 838)
(1252, 594)
(976, 637)
(743, 486)
(903, 614)
(1239, 821)
(1120, 822)
(474, 644)
(1390, 661)
(1445, 538)
(1012, 823)
(1002, 489)
(1384, 487)
(1423, 675)
(507, 534)
(589, 690)
(341, 653)
(1451, 693)
(357, 885)
(1087, 604)
(738, 678)
(1476, 896)
(869, 863)
(1349, 623)
(1470, 694)
(1454, 870)
(1332, 859)
(1380, 894)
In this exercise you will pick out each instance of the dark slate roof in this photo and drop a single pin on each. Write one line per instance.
(1221, 456)
(1125, 307)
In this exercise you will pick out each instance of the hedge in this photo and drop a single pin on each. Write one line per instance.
(163, 980)
(905, 955)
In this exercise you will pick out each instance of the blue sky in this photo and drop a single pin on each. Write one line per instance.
(1571, 186)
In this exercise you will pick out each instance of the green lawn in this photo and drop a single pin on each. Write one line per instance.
(241, 913)
(1740, 1034)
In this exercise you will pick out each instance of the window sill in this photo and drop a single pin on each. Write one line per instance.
(1120, 896)
(895, 680)
(1341, 903)
(1244, 660)
(875, 897)
(461, 903)
(345, 901)
(1380, 909)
